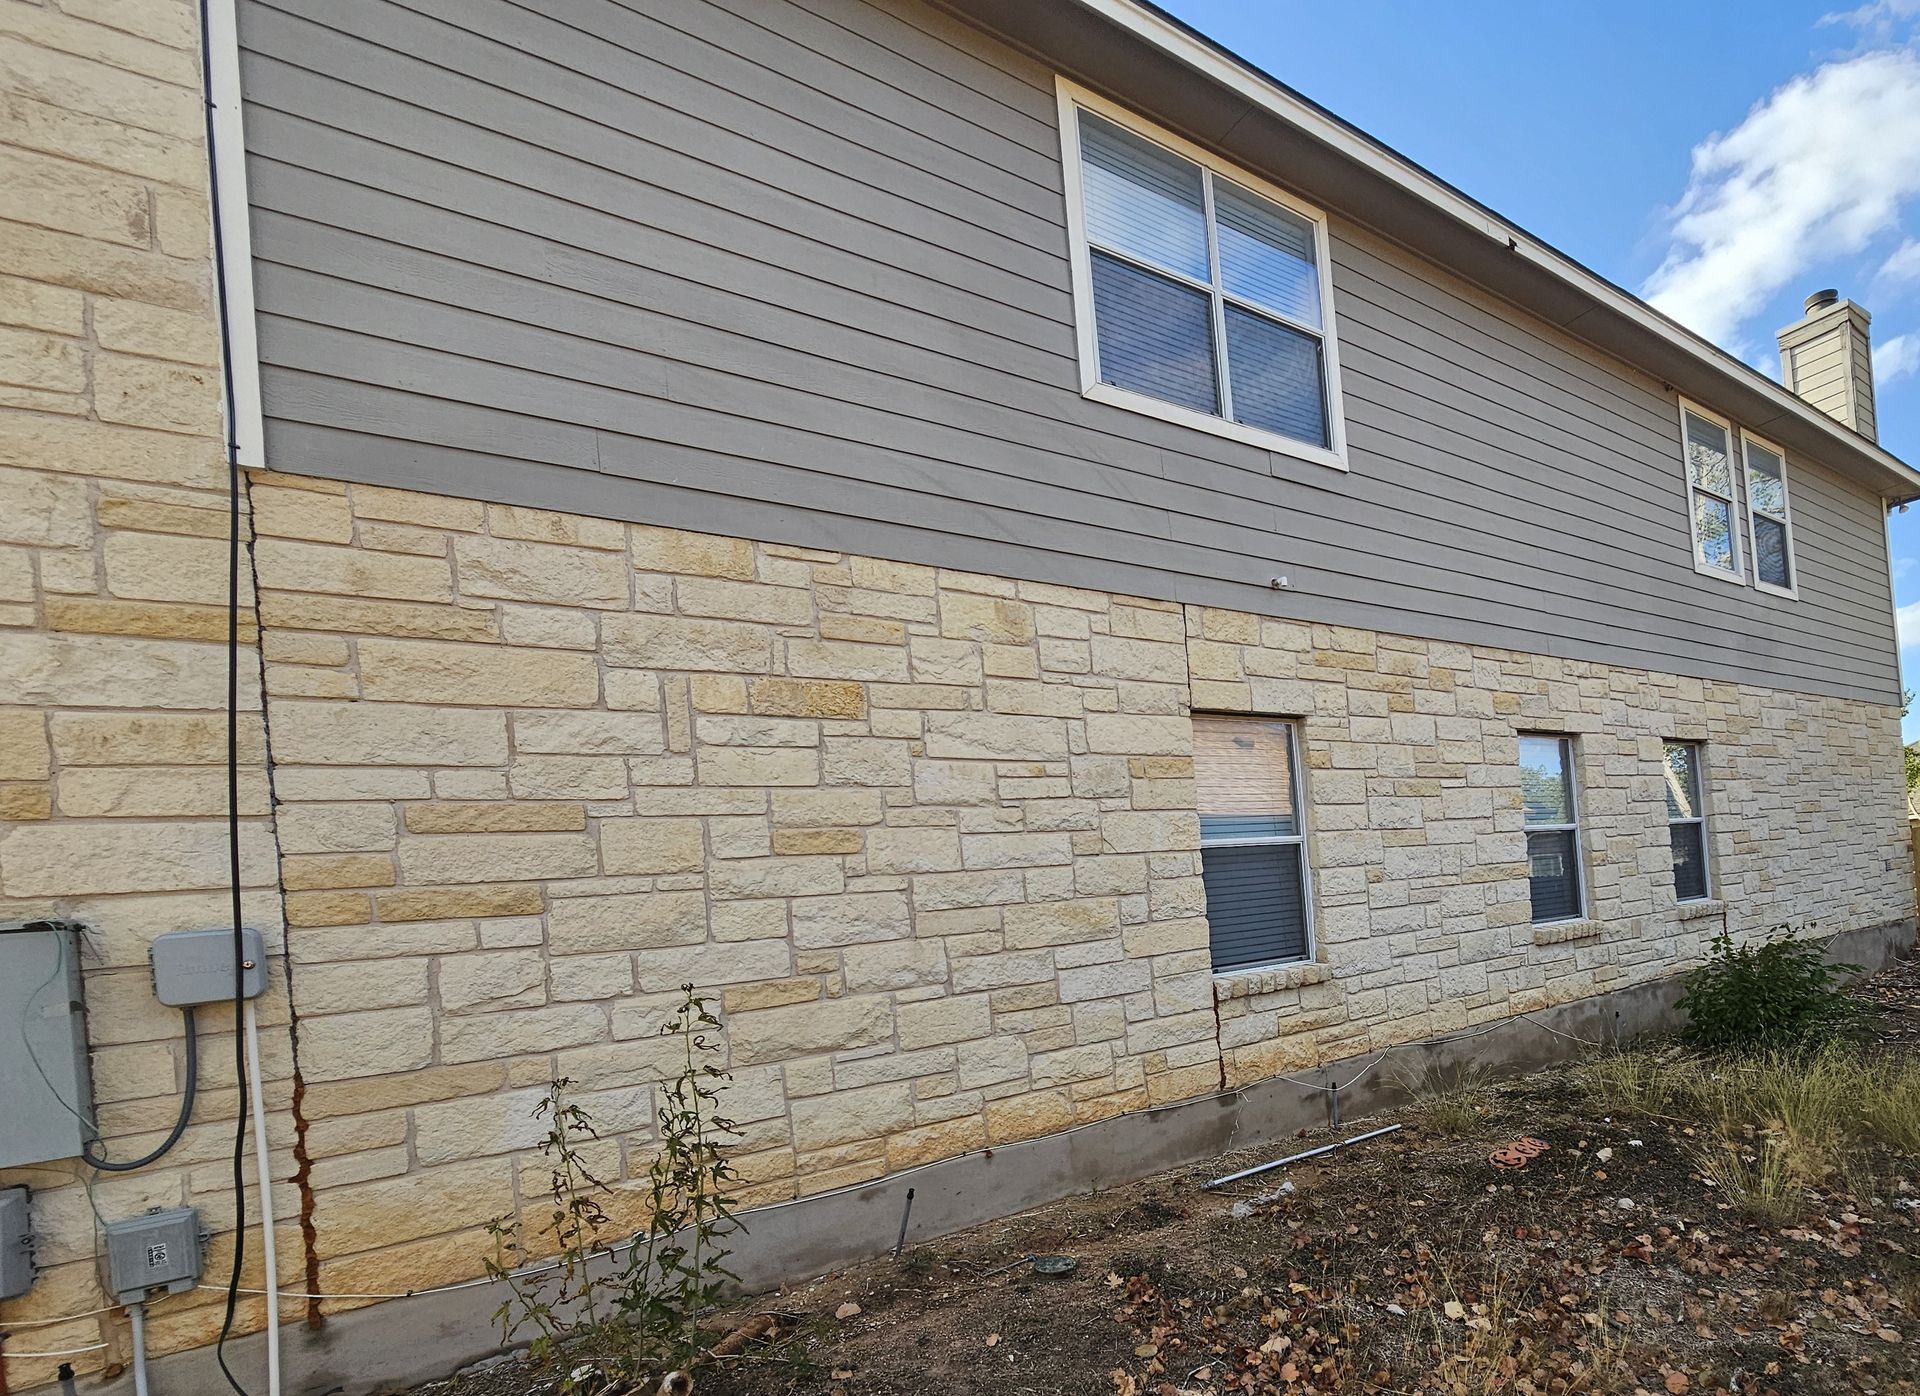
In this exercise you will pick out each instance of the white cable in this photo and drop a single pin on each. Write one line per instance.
(257, 1094)
(63, 1352)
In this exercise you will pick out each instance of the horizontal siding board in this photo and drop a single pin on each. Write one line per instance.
(568, 364)
(302, 292)
(829, 305)
(598, 170)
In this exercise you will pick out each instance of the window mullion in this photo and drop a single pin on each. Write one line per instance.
(1223, 380)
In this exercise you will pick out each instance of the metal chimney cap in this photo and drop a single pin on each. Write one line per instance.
(1821, 299)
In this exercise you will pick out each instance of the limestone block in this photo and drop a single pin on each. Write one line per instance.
(651, 846)
(628, 921)
(836, 1025)
(512, 570)
(869, 761)
(846, 660)
(849, 919)
(496, 857)
(996, 737)
(387, 734)
(335, 1046)
(486, 1036)
(702, 554)
(492, 980)
(668, 642)
(416, 671)
(808, 698)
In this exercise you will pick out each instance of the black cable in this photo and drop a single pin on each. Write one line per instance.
(233, 713)
(179, 1126)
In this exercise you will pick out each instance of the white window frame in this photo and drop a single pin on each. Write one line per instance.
(1311, 949)
(1571, 765)
(1699, 750)
(1736, 478)
(1784, 518)
(1072, 100)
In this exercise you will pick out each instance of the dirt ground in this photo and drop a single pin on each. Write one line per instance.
(1407, 1264)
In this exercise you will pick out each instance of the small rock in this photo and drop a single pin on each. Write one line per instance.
(1604, 1154)
(1625, 1204)
(846, 1311)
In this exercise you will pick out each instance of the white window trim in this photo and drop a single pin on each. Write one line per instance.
(1699, 750)
(1736, 478)
(1310, 952)
(1571, 766)
(1073, 98)
(245, 420)
(1785, 519)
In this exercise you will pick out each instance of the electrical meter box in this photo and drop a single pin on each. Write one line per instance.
(45, 1099)
(153, 1249)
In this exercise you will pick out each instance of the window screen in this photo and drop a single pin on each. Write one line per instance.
(1767, 515)
(1710, 494)
(1252, 852)
(1686, 820)
(1552, 826)
(1206, 295)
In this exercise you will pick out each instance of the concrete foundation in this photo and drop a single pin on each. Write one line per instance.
(400, 1343)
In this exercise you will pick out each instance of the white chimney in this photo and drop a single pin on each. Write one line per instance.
(1826, 357)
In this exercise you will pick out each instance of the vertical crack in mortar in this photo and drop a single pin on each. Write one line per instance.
(303, 1161)
(1219, 1037)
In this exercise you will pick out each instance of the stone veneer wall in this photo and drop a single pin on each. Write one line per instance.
(929, 836)
(113, 589)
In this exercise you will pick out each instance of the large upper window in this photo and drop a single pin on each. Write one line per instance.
(1202, 294)
(1713, 511)
(1767, 515)
(1552, 820)
(1253, 856)
(1686, 821)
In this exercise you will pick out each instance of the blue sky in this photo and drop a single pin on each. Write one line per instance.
(1722, 167)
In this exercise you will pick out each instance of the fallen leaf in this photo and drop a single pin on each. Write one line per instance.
(1886, 1335)
(1677, 1383)
(847, 1310)
(1455, 1309)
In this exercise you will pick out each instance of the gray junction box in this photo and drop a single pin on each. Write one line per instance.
(46, 1102)
(155, 1248)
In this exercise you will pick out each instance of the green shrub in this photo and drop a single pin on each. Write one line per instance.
(1779, 993)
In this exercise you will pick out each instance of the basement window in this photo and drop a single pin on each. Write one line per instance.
(1253, 856)
(1712, 510)
(1552, 820)
(1686, 821)
(1767, 517)
(1202, 294)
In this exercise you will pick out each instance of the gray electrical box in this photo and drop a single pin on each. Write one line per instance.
(153, 1249)
(191, 967)
(16, 1243)
(45, 1102)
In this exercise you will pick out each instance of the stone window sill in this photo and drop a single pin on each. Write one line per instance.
(1694, 911)
(1561, 932)
(1240, 984)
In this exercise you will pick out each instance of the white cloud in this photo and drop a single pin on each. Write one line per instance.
(1907, 618)
(1817, 170)
(1878, 19)
(1895, 358)
(1903, 264)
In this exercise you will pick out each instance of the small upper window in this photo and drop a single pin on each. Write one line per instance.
(1767, 516)
(1202, 294)
(1686, 821)
(1253, 856)
(1712, 511)
(1553, 829)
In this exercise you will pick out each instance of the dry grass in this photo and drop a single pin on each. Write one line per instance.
(1757, 1178)
(1452, 1100)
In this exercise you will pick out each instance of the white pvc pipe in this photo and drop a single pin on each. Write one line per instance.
(137, 1316)
(258, 1100)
